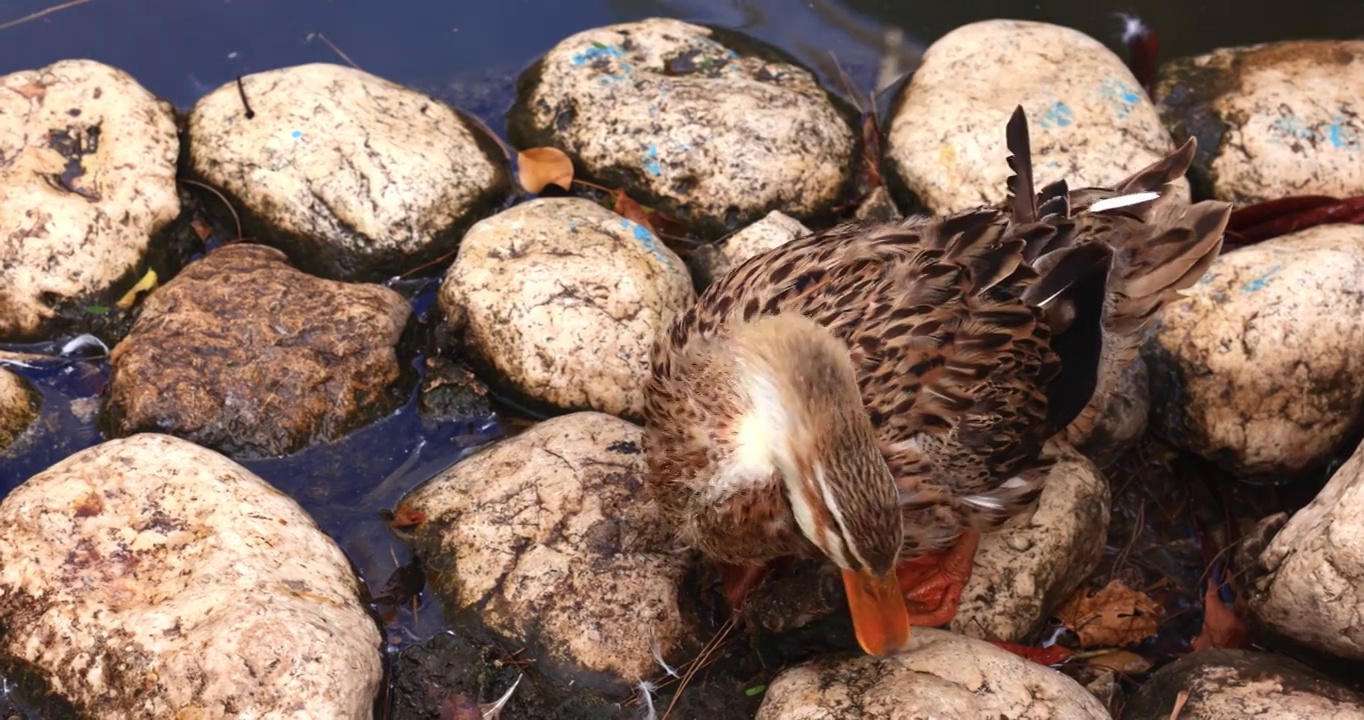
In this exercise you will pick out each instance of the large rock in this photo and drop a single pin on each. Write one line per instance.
(1025, 569)
(1256, 367)
(710, 126)
(1307, 581)
(352, 175)
(940, 675)
(19, 404)
(1271, 120)
(244, 354)
(1090, 121)
(769, 233)
(88, 173)
(148, 577)
(549, 536)
(1238, 684)
(561, 299)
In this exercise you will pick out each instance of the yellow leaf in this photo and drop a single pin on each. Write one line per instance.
(538, 167)
(146, 284)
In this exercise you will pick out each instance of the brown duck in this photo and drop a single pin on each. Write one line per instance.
(879, 395)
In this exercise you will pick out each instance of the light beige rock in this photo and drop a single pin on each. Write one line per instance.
(19, 403)
(549, 534)
(87, 179)
(940, 675)
(149, 577)
(1090, 121)
(1307, 585)
(1025, 569)
(712, 130)
(563, 298)
(354, 176)
(1274, 120)
(771, 232)
(1239, 684)
(1254, 368)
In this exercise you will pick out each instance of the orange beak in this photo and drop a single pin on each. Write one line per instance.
(878, 611)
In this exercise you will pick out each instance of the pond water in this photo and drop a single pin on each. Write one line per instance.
(469, 54)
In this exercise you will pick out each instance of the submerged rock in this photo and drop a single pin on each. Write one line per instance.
(1254, 368)
(1272, 120)
(89, 184)
(562, 298)
(769, 233)
(940, 675)
(549, 535)
(1238, 684)
(353, 176)
(244, 354)
(1090, 121)
(1307, 581)
(149, 577)
(711, 127)
(19, 404)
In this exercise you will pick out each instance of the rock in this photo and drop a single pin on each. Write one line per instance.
(1272, 120)
(549, 536)
(940, 675)
(1090, 121)
(1236, 684)
(353, 176)
(562, 298)
(19, 405)
(769, 233)
(246, 355)
(878, 206)
(1121, 406)
(143, 578)
(89, 185)
(1254, 368)
(1307, 581)
(1022, 571)
(710, 126)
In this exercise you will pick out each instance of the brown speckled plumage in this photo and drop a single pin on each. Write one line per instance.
(972, 339)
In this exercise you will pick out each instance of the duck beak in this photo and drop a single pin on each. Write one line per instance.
(878, 611)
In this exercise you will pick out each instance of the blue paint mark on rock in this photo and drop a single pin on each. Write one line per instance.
(296, 134)
(596, 52)
(1058, 115)
(646, 239)
(1260, 282)
(651, 165)
(1342, 136)
(1122, 96)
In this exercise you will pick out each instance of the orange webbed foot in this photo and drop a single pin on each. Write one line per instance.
(933, 584)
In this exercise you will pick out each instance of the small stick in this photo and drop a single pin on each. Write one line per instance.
(214, 190)
(337, 50)
(241, 91)
(41, 13)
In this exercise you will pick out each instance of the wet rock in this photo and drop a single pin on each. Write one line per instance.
(1254, 368)
(561, 299)
(1307, 581)
(769, 233)
(244, 354)
(89, 179)
(711, 127)
(549, 536)
(19, 404)
(451, 392)
(1090, 121)
(1022, 571)
(878, 206)
(143, 578)
(1236, 684)
(353, 176)
(1272, 120)
(940, 675)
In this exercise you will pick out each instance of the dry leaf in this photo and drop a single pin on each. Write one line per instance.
(1223, 627)
(1122, 662)
(538, 167)
(405, 516)
(202, 229)
(1114, 616)
(1053, 655)
(146, 284)
(627, 208)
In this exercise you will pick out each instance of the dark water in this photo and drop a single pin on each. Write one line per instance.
(469, 53)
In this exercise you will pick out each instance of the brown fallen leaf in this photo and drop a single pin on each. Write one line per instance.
(627, 208)
(1223, 627)
(538, 167)
(1122, 662)
(405, 516)
(1112, 617)
(201, 229)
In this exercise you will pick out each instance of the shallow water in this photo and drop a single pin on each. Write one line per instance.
(469, 55)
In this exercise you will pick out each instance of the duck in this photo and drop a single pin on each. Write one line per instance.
(878, 395)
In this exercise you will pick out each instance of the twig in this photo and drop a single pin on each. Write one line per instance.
(241, 92)
(337, 50)
(700, 662)
(1180, 699)
(41, 13)
(222, 197)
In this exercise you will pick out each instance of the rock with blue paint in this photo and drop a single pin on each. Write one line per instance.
(1256, 367)
(707, 125)
(557, 302)
(1091, 122)
(19, 404)
(89, 194)
(773, 231)
(149, 577)
(1272, 120)
(365, 180)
